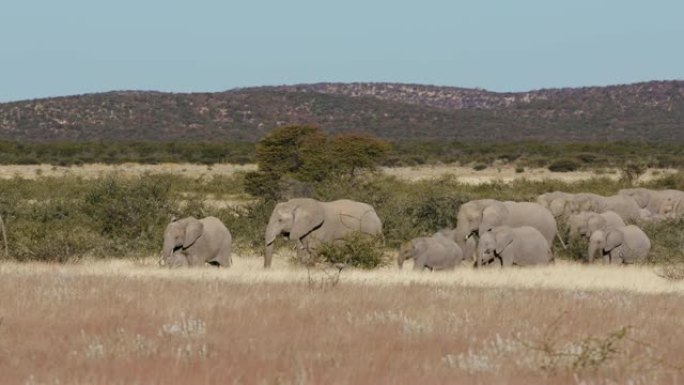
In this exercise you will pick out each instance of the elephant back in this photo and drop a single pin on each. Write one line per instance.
(531, 214)
(637, 244)
(353, 216)
(531, 246)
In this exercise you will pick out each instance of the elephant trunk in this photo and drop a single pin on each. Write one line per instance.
(460, 237)
(268, 255)
(167, 249)
(591, 252)
(400, 259)
(469, 250)
(271, 234)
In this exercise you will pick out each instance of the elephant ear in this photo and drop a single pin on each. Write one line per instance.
(492, 216)
(193, 230)
(308, 215)
(614, 238)
(503, 239)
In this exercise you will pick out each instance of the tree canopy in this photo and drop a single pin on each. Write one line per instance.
(306, 154)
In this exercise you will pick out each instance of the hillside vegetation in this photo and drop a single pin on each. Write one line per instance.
(652, 111)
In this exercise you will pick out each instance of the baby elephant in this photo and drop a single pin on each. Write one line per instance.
(619, 245)
(435, 253)
(509, 246)
(194, 242)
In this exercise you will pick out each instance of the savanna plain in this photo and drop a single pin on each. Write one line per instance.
(96, 320)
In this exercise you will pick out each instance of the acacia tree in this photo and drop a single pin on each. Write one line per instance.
(305, 154)
(352, 152)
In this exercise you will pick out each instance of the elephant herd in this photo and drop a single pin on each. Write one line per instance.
(488, 232)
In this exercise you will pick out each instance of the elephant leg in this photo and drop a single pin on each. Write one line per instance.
(178, 260)
(506, 259)
(223, 257)
(419, 263)
(606, 258)
(616, 256)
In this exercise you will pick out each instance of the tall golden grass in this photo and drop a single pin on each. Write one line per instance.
(132, 322)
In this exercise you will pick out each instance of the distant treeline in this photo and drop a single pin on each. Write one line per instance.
(402, 153)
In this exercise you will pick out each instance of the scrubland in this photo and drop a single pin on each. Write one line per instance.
(84, 302)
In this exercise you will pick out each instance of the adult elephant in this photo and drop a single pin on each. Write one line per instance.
(557, 202)
(586, 222)
(619, 245)
(479, 216)
(310, 222)
(194, 242)
(666, 203)
(623, 205)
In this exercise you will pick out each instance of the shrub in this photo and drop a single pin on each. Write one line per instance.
(247, 224)
(53, 242)
(130, 213)
(631, 172)
(479, 167)
(519, 170)
(564, 165)
(358, 250)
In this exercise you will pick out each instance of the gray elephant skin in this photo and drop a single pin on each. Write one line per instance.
(660, 204)
(309, 222)
(194, 242)
(437, 252)
(556, 202)
(478, 216)
(586, 222)
(513, 246)
(619, 245)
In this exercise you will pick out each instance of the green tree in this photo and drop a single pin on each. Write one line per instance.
(351, 152)
(297, 151)
(305, 154)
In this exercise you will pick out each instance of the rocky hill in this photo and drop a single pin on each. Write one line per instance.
(652, 111)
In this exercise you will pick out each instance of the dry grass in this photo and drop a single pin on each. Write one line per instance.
(131, 322)
(95, 170)
(464, 174)
(507, 174)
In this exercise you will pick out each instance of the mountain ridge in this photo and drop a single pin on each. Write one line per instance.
(646, 111)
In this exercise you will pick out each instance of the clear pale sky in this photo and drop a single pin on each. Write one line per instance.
(54, 48)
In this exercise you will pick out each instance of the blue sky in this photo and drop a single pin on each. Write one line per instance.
(53, 48)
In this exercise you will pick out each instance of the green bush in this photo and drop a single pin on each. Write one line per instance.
(519, 170)
(358, 250)
(479, 167)
(53, 242)
(667, 241)
(564, 165)
(132, 214)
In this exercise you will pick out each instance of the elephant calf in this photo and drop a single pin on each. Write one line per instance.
(509, 246)
(194, 242)
(619, 245)
(435, 253)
